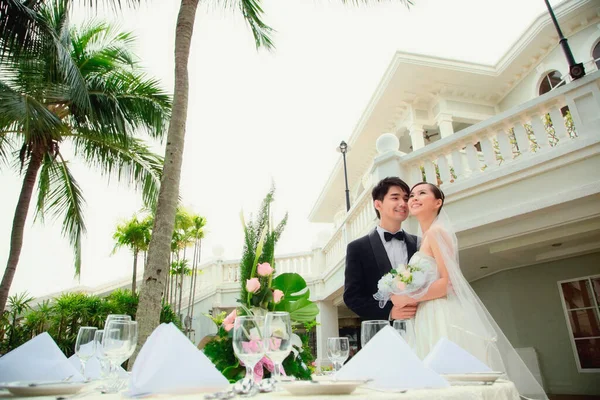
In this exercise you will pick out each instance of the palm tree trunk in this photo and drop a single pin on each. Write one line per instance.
(180, 293)
(133, 280)
(148, 315)
(195, 277)
(18, 227)
(192, 278)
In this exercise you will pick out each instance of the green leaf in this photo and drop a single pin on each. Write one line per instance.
(292, 285)
(301, 311)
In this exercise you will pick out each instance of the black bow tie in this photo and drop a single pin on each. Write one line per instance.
(398, 235)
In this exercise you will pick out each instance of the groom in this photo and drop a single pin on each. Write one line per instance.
(372, 256)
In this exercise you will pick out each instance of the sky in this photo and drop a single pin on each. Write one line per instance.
(257, 117)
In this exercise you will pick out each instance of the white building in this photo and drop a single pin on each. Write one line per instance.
(528, 221)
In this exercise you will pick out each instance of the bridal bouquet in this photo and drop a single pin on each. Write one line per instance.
(406, 279)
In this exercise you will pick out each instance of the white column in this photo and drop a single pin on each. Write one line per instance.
(416, 136)
(327, 327)
(445, 124)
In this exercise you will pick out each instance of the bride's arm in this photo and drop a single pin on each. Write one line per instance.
(438, 289)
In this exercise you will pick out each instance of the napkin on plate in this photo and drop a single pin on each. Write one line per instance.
(447, 357)
(39, 359)
(391, 364)
(169, 362)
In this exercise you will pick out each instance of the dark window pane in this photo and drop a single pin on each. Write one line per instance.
(596, 284)
(577, 294)
(588, 351)
(550, 81)
(596, 54)
(584, 323)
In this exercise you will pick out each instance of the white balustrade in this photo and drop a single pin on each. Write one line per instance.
(536, 126)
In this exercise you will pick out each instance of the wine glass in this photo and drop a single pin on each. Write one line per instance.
(249, 344)
(117, 345)
(278, 338)
(116, 317)
(338, 350)
(102, 360)
(369, 329)
(405, 329)
(85, 346)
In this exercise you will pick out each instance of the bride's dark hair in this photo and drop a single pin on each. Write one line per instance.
(437, 193)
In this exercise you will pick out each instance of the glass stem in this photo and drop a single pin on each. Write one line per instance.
(82, 361)
(250, 372)
(276, 372)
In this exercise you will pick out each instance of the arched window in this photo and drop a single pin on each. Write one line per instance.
(551, 80)
(596, 54)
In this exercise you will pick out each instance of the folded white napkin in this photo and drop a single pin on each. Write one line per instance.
(39, 359)
(391, 364)
(169, 362)
(93, 368)
(447, 357)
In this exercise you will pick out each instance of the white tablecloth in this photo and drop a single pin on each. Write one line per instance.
(501, 390)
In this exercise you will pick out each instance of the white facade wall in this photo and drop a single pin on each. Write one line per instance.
(581, 43)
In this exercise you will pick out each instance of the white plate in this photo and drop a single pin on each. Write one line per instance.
(321, 387)
(43, 388)
(481, 377)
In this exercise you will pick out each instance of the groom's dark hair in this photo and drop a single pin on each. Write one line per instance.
(383, 187)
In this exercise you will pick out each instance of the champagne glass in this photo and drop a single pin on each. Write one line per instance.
(278, 337)
(369, 329)
(85, 346)
(116, 344)
(338, 350)
(405, 329)
(249, 345)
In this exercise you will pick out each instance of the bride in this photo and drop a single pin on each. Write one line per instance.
(450, 308)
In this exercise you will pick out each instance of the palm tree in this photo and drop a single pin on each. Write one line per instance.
(82, 87)
(135, 235)
(16, 26)
(198, 234)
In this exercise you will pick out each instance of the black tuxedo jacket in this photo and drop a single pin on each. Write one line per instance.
(366, 262)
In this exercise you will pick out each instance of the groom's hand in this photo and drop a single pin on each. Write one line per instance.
(406, 312)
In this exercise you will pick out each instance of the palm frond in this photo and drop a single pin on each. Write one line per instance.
(18, 27)
(64, 198)
(132, 162)
(99, 47)
(253, 15)
(6, 148)
(127, 101)
(23, 113)
(54, 17)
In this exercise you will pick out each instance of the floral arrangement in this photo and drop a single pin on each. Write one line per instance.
(261, 291)
(406, 279)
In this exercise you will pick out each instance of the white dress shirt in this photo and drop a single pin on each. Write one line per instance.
(395, 249)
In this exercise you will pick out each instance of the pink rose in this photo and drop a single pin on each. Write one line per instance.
(229, 320)
(252, 285)
(274, 344)
(277, 296)
(251, 347)
(406, 274)
(264, 269)
(401, 285)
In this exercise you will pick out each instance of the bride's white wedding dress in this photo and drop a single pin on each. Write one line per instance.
(461, 317)
(440, 318)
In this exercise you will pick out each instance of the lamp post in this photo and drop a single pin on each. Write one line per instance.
(344, 148)
(576, 70)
